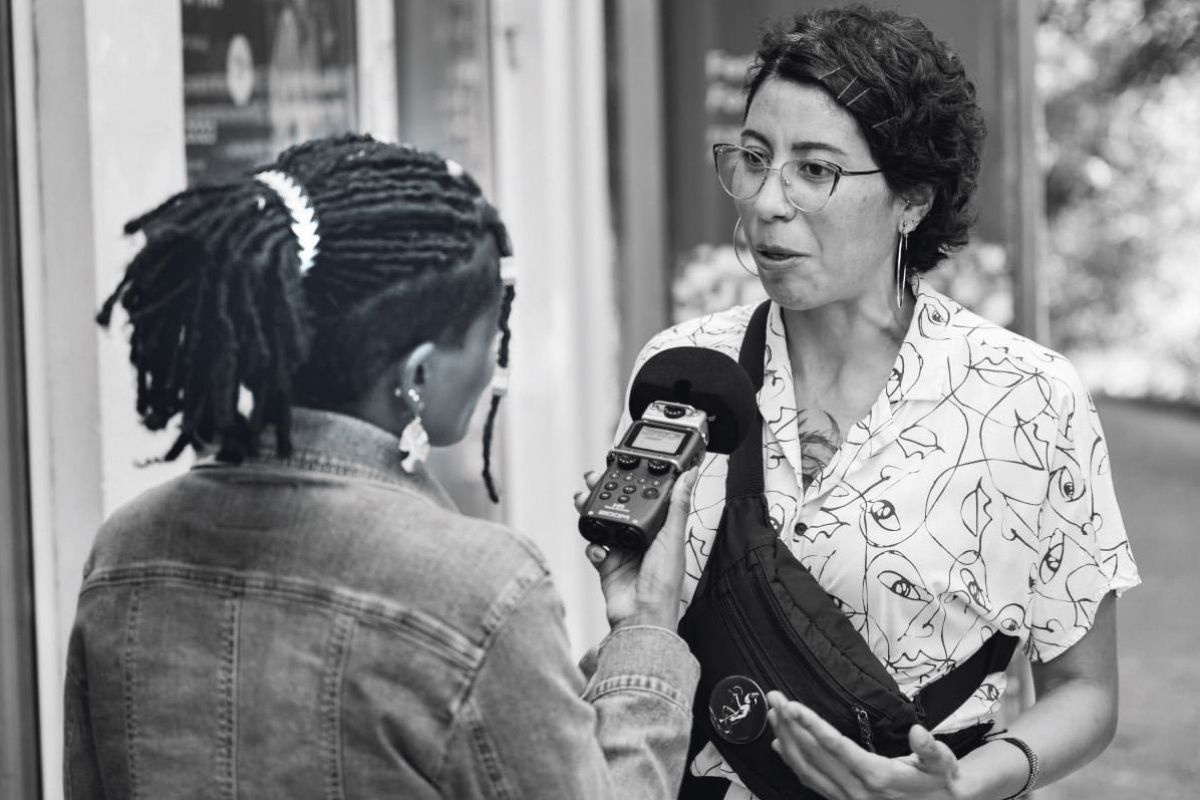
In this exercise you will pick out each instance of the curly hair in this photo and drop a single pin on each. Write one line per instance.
(218, 306)
(911, 99)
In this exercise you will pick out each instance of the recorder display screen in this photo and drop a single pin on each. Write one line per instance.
(658, 440)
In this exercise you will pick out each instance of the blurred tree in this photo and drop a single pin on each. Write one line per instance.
(1120, 80)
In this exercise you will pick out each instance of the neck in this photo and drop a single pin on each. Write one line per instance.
(845, 336)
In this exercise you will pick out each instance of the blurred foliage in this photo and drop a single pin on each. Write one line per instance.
(1120, 80)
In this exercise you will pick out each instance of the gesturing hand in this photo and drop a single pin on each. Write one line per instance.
(644, 588)
(838, 768)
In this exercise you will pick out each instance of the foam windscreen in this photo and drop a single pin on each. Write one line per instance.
(704, 379)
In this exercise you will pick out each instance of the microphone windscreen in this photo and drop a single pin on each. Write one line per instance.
(704, 379)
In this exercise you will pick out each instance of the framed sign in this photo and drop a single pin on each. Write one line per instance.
(260, 75)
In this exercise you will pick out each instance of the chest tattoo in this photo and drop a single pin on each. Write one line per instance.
(820, 436)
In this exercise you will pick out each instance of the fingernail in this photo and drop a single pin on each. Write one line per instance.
(595, 553)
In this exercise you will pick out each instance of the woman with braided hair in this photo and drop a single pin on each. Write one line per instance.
(304, 613)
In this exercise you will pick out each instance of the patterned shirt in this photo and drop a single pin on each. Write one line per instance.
(974, 497)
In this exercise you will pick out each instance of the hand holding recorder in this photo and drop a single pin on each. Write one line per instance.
(685, 402)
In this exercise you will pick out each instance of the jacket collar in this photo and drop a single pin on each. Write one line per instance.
(325, 441)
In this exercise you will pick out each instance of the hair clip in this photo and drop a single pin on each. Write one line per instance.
(827, 74)
(881, 122)
(304, 217)
(846, 88)
(857, 97)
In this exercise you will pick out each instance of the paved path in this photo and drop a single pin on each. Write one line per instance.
(1155, 453)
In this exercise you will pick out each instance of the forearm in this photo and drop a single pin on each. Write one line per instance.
(642, 693)
(1068, 726)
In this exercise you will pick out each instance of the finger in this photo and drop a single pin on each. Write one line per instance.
(596, 553)
(810, 771)
(841, 759)
(932, 756)
(614, 560)
(678, 510)
(590, 479)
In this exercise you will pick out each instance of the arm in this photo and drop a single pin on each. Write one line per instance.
(1071, 723)
(81, 771)
(530, 728)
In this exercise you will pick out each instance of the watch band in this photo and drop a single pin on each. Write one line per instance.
(1033, 764)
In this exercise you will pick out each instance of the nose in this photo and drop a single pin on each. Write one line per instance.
(771, 202)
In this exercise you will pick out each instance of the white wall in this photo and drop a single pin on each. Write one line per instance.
(551, 162)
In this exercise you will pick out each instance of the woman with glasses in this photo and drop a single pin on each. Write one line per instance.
(943, 480)
(304, 613)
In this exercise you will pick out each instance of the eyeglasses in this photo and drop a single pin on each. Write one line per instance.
(808, 183)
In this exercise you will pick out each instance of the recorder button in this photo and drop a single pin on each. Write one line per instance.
(605, 496)
(658, 467)
(673, 412)
(608, 487)
(650, 494)
(628, 462)
(623, 498)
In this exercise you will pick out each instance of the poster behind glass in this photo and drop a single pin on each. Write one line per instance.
(260, 75)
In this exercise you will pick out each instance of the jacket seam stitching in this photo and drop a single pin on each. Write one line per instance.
(339, 647)
(465, 653)
(132, 618)
(515, 597)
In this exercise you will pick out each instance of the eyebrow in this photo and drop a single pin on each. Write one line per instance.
(800, 147)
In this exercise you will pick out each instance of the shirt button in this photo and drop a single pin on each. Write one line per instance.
(800, 528)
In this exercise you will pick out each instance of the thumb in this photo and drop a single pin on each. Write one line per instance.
(681, 503)
(932, 756)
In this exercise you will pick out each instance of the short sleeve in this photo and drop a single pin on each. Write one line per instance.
(1084, 550)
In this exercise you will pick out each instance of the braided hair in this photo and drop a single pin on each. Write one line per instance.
(219, 308)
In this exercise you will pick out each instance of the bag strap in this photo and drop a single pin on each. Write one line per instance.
(746, 462)
(940, 699)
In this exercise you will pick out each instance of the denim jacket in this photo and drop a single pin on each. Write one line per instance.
(328, 626)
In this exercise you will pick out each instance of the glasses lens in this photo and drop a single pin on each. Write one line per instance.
(809, 184)
(740, 171)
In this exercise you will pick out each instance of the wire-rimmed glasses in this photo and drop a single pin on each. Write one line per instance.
(808, 183)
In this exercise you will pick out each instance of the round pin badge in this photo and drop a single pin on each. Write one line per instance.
(737, 707)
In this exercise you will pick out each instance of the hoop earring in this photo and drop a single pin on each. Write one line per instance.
(414, 440)
(901, 267)
(736, 226)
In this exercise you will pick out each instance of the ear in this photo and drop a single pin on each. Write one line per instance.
(413, 369)
(917, 202)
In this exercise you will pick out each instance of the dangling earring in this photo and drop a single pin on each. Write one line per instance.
(736, 226)
(902, 263)
(414, 441)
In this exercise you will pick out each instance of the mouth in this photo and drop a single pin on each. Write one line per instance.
(773, 255)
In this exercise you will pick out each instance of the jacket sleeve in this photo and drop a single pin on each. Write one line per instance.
(81, 772)
(531, 728)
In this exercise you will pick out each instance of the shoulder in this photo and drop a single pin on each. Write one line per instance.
(722, 331)
(999, 359)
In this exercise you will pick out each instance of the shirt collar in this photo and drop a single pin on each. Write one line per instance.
(919, 373)
(325, 441)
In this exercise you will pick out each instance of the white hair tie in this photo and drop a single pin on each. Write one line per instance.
(304, 217)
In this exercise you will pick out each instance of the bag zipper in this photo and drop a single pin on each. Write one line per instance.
(859, 713)
(819, 670)
(864, 728)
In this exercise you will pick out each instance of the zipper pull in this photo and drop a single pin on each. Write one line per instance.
(864, 728)
(920, 707)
